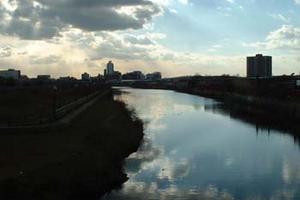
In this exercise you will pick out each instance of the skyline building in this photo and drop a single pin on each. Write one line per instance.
(10, 73)
(259, 66)
(135, 75)
(109, 68)
(85, 77)
(155, 76)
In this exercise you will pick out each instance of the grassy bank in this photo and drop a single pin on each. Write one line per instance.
(262, 112)
(83, 161)
(20, 105)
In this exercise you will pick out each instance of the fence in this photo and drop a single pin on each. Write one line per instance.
(58, 113)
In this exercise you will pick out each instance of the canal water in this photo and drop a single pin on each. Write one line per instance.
(193, 150)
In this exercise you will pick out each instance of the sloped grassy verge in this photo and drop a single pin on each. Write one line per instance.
(82, 161)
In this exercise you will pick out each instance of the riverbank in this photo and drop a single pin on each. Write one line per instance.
(266, 113)
(82, 161)
(261, 111)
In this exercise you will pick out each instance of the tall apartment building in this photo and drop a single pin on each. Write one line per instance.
(110, 68)
(259, 66)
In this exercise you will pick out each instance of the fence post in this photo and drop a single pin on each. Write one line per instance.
(54, 102)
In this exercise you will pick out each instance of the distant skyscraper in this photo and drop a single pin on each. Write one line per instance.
(259, 66)
(109, 68)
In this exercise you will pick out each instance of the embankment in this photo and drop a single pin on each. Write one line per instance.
(82, 161)
(264, 112)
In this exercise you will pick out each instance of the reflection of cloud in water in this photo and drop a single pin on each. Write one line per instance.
(181, 169)
(291, 170)
(151, 191)
(162, 106)
(172, 170)
(153, 160)
(140, 190)
(187, 163)
(284, 194)
(147, 153)
(229, 162)
(148, 112)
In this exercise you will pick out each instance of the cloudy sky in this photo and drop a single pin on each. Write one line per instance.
(176, 37)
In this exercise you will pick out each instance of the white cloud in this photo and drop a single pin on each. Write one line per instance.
(286, 37)
(280, 17)
(231, 1)
(185, 2)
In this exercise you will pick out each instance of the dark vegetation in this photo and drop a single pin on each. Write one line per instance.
(261, 119)
(273, 103)
(282, 88)
(25, 104)
(82, 161)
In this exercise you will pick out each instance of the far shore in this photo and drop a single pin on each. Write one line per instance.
(262, 112)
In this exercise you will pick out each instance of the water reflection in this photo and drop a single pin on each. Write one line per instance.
(263, 124)
(195, 150)
(150, 191)
(146, 154)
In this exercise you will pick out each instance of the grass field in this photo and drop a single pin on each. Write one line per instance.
(30, 104)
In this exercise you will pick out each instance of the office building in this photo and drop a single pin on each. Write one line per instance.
(109, 68)
(259, 66)
(154, 76)
(43, 77)
(11, 73)
(135, 75)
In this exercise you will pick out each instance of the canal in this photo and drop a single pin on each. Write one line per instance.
(193, 149)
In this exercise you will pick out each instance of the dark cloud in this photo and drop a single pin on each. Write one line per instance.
(27, 22)
(46, 18)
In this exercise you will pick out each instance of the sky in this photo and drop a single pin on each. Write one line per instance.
(175, 37)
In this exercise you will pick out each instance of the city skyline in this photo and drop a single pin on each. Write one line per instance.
(176, 37)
